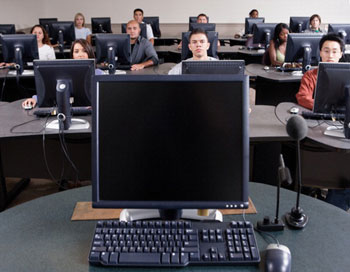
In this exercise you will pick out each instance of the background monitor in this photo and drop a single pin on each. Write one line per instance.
(21, 49)
(143, 32)
(303, 47)
(298, 24)
(177, 142)
(249, 23)
(154, 22)
(101, 25)
(263, 33)
(213, 67)
(114, 49)
(342, 30)
(7, 29)
(212, 51)
(62, 33)
(205, 27)
(45, 22)
(193, 19)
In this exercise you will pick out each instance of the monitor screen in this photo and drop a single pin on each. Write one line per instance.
(250, 22)
(298, 24)
(77, 72)
(154, 22)
(342, 30)
(212, 51)
(166, 142)
(213, 67)
(62, 33)
(193, 19)
(101, 25)
(205, 27)
(263, 33)
(45, 22)
(143, 28)
(7, 29)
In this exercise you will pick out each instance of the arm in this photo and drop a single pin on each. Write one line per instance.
(142, 65)
(272, 53)
(51, 55)
(150, 35)
(88, 39)
(306, 90)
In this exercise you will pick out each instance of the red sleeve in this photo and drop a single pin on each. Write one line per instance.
(307, 88)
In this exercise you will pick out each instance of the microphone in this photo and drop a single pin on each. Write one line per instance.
(297, 130)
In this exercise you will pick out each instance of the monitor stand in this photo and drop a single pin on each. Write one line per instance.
(76, 124)
(335, 131)
(192, 214)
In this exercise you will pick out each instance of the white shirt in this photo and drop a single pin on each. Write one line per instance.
(82, 33)
(149, 31)
(46, 52)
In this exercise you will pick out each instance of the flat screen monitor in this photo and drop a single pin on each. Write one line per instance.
(205, 27)
(263, 33)
(214, 67)
(7, 29)
(21, 49)
(298, 24)
(166, 142)
(45, 22)
(212, 51)
(250, 22)
(62, 33)
(154, 22)
(342, 30)
(114, 49)
(303, 47)
(143, 28)
(101, 25)
(193, 19)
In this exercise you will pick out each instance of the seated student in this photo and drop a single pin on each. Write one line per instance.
(138, 16)
(46, 51)
(254, 13)
(314, 24)
(331, 50)
(81, 32)
(80, 49)
(277, 49)
(142, 51)
(198, 45)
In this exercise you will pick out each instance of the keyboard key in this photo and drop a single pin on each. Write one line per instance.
(165, 258)
(95, 256)
(105, 257)
(184, 258)
(113, 258)
(194, 256)
(139, 258)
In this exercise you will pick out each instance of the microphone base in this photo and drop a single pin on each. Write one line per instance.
(296, 219)
(267, 225)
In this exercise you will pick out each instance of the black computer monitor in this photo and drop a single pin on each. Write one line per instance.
(250, 22)
(114, 49)
(303, 47)
(342, 30)
(263, 33)
(212, 51)
(213, 67)
(143, 28)
(7, 29)
(154, 22)
(193, 19)
(45, 22)
(101, 25)
(21, 49)
(173, 143)
(62, 33)
(205, 27)
(298, 24)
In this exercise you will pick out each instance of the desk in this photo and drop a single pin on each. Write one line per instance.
(39, 236)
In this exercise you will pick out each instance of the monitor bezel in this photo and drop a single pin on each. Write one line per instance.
(259, 29)
(340, 27)
(154, 22)
(295, 20)
(10, 27)
(208, 67)
(105, 21)
(68, 32)
(206, 27)
(250, 22)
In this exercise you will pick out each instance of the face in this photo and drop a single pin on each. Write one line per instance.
(315, 23)
(255, 14)
(138, 16)
(199, 45)
(79, 52)
(202, 20)
(283, 35)
(133, 29)
(39, 34)
(79, 21)
(331, 51)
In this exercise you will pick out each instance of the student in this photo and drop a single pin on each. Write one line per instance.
(314, 24)
(80, 49)
(46, 51)
(277, 48)
(81, 32)
(254, 13)
(142, 50)
(138, 16)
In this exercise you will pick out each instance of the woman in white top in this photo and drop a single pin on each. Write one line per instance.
(46, 51)
(81, 32)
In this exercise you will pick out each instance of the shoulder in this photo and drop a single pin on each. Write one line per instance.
(311, 74)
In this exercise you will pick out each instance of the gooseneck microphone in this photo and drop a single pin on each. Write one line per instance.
(297, 130)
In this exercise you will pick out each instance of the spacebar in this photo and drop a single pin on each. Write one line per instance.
(139, 258)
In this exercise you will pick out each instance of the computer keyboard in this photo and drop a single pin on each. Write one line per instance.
(288, 69)
(76, 111)
(322, 116)
(173, 243)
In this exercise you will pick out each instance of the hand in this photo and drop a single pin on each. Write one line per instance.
(29, 102)
(136, 67)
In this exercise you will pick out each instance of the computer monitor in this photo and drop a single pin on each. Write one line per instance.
(101, 25)
(7, 29)
(170, 143)
(332, 94)
(62, 33)
(303, 47)
(250, 22)
(45, 22)
(205, 27)
(298, 24)
(143, 28)
(263, 33)
(114, 49)
(213, 67)
(154, 22)
(342, 30)
(212, 51)
(21, 49)
(56, 81)
(193, 19)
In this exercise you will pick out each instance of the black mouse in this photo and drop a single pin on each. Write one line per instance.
(278, 258)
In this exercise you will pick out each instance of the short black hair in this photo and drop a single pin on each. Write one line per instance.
(138, 9)
(252, 11)
(198, 31)
(202, 14)
(332, 37)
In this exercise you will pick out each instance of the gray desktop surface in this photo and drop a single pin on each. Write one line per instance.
(39, 235)
(271, 73)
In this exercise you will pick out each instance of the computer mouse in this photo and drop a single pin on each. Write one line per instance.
(266, 68)
(278, 258)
